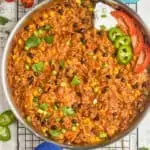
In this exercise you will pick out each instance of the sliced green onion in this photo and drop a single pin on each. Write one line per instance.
(68, 111)
(62, 64)
(49, 39)
(55, 133)
(44, 106)
(38, 67)
(75, 81)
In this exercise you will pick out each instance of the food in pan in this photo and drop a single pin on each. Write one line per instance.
(74, 83)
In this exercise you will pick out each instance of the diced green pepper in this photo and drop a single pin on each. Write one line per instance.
(75, 81)
(62, 64)
(55, 133)
(32, 42)
(114, 33)
(122, 40)
(36, 99)
(38, 67)
(7, 118)
(68, 111)
(49, 39)
(39, 32)
(4, 133)
(44, 106)
(47, 27)
(124, 55)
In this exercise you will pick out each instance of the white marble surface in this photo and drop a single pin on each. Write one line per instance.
(144, 127)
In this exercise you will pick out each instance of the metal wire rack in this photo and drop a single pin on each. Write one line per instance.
(27, 141)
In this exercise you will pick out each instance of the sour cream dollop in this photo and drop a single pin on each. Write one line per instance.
(103, 17)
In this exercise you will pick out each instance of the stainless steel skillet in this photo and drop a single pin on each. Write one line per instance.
(114, 3)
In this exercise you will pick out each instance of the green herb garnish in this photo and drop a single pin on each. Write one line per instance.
(49, 39)
(3, 20)
(38, 67)
(44, 106)
(32, 42)
(75, 81)
(68, 111)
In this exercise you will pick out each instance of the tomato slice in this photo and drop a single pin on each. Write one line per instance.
(27, 3)
(140, 42)
(128, 26)
(142, 66)
(128, 21)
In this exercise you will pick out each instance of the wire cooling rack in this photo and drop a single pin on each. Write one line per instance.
(27, 141)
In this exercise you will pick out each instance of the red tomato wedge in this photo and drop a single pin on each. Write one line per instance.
(27, 3)
(128, 26)
(128, 21)
(146, 61)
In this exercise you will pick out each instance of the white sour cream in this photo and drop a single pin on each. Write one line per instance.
(103, 17)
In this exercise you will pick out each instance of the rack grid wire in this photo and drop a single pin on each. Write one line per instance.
(28, 141)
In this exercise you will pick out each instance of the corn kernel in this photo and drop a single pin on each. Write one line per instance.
(45, 15)
(78, 2)
(52, 13)
(35, 60)
(35, 93)
(20, 41)
(28, 60)
(14, 57)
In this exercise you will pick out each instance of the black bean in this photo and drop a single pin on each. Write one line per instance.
(83, 41)
(105, 89)
(30, 55)
(75, 25)
(53, 127)
(83, 60)
(30, 80)
(60, 11)
(108, 76)
(144, 85)
(94, 70)
(100, 33)
(79, 94)
(61, 121)
(95, 50)
(96, 118)
(67, 4)
(135, 86)
(123, 79)
(105, 55)
(84, 20)
(26, 28)
(76, 106)
(114, 54)
(118, 76)
(74, 121)
(82, 30)
(57, 104)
